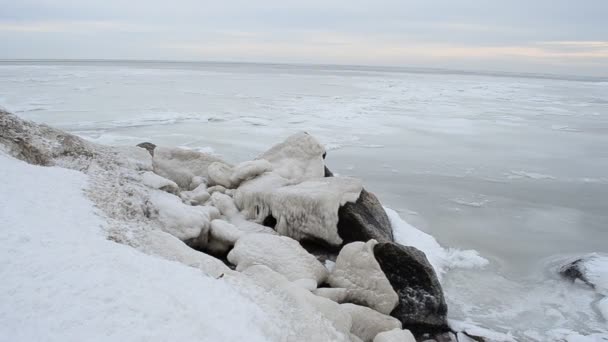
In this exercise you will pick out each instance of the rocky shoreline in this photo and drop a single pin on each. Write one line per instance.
(282, 220)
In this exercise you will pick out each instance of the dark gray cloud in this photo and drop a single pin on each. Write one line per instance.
(556, 35)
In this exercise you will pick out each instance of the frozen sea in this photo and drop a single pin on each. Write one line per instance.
(513, 166)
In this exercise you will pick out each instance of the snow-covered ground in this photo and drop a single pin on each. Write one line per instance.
(509, 169)
(62, 280)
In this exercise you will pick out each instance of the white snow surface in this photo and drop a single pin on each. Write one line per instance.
(63, 281)
(298, 158)
(182, 165)
(155, 181)
(441, 259)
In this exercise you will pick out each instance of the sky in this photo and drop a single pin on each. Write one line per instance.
(540, 36)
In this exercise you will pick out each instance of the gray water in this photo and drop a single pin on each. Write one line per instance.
(513, 166)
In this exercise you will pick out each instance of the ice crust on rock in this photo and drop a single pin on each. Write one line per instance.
(368, 323)
(311, 318)
(182, 165)
(298, 158)
(308, 210)
(280, 253)
(248, 170)
(180, 220)
(358, 271)
(155, 181)
(198, 196)
(225, 204)
(222, 236)
(395, 335)
(219, 174)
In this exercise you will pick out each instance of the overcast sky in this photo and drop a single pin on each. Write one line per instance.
(552, 36)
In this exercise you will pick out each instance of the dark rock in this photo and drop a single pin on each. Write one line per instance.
(148, 146)
(363, 220)
(421, 308)
(586, 268)
(574, 271)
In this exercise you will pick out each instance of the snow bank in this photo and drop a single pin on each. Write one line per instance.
(63, 281)
(440, 258)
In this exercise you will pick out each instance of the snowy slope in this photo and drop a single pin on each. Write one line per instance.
(63, 281)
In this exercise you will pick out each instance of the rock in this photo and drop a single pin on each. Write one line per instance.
(395, 335)
(358, 271)
(364, 220)
(298, 158)
(155, 181)
(219, 174)
(197, 196)
(280, 253)
(248, 170)
(592, 269)
(182, 165)
(148, 146)
(307, 306)
(368, 323)
(422, 307)
(222, 237)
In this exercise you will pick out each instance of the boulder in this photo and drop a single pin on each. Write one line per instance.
(148, 146)
(421, 307)
(368, 323)
(395, 335)
(359, 273)
(364, 219)
(280, 253)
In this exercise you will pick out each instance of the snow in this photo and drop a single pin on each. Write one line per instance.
(474, 330)
(280, 253)
(368, 323)
(228, 209)
(440, 258)
(358, 271)
(396, 335)
(222, 236)
(63, 281)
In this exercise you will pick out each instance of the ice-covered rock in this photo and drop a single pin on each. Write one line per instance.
(358, 271)
(182, 165)
(395, 335)
(280, 253)
(248, 170)
(222, 237)
(198, 196)
(422, 307)
(592, 269)
(228, 209)
(330, 321)
(167, 246)
(148, 146)
(155, 181)
(298, 158)
(307, 210)
(187, 223)
(219, 174)
(368, 323)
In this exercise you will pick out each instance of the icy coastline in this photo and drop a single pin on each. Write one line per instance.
(226, 248)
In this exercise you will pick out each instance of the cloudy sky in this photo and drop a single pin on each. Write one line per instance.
(552, 36)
